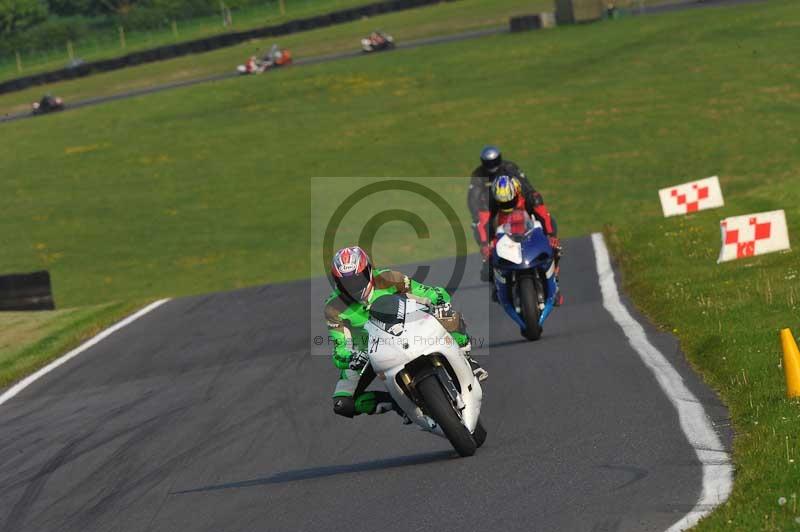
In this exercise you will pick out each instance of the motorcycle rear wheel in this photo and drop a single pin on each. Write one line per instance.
(441, 410)
(530, 308)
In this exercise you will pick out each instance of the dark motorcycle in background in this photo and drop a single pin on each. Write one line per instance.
(47, 104)
(524, 273)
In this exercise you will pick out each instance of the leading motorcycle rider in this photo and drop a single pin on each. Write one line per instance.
(479, 197)
(357, 285)
(508, 195)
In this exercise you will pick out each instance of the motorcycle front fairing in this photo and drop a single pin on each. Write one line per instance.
(518, 253)
(394, 348)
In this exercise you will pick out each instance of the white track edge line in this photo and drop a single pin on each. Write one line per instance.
(717, 481)
(30, 379)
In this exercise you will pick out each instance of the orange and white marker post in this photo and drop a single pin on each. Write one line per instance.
(691, 197)
(753, 234)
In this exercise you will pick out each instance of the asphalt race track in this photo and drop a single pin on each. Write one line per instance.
(212, 414)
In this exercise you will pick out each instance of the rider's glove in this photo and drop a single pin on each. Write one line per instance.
(341, 360)
(486, 251)
(443, 311)
(359, 360)
(440, 296)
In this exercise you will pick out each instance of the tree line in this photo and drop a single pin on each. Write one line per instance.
(42, 24)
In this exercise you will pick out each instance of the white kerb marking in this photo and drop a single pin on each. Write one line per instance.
(712, 455)
(30, 379)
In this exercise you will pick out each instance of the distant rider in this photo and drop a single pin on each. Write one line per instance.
(507, 195)
(357, 285)
(479, 197)
(47, 103)
(272, 57)
(377, 38)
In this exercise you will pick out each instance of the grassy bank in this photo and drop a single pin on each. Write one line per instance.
(107, 43)
(28, 340)
(444, 19)
(208, 188)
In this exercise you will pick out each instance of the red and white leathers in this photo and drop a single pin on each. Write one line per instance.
(530, 201)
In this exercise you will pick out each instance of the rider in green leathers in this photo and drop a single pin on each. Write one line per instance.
(357, 285)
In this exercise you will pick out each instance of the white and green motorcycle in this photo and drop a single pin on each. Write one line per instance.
(424, 370)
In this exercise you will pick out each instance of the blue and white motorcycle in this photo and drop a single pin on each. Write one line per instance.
(524, 273)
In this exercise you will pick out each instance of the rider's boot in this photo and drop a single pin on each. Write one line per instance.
(477, 369)
(391, 405)
(486, 272)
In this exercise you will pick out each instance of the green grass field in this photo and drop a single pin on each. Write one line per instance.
(207, 188)
(106, 44)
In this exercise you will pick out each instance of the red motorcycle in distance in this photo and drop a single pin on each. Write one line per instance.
(376, 42)
(277, 57)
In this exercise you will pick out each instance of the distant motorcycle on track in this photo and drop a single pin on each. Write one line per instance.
(277, 57)
(424, 371)
(524, 273)
(376, 42)
(48, 104)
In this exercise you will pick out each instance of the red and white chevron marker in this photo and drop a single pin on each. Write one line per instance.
(753, 234)
(691, 197)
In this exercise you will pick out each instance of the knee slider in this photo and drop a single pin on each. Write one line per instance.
(344, 406)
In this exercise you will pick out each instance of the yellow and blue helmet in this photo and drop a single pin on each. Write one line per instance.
(505, 191)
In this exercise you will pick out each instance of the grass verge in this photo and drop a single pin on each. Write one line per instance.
(29, 340)
(727, 318)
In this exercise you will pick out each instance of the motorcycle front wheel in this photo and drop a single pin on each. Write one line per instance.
(530, 307)
(441, 410)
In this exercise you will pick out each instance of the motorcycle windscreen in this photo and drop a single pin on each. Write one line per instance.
(519, 224)
(389, 313)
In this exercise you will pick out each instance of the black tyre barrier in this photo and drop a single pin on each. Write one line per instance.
(26, 291)
(526, 23)
(213, 43)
